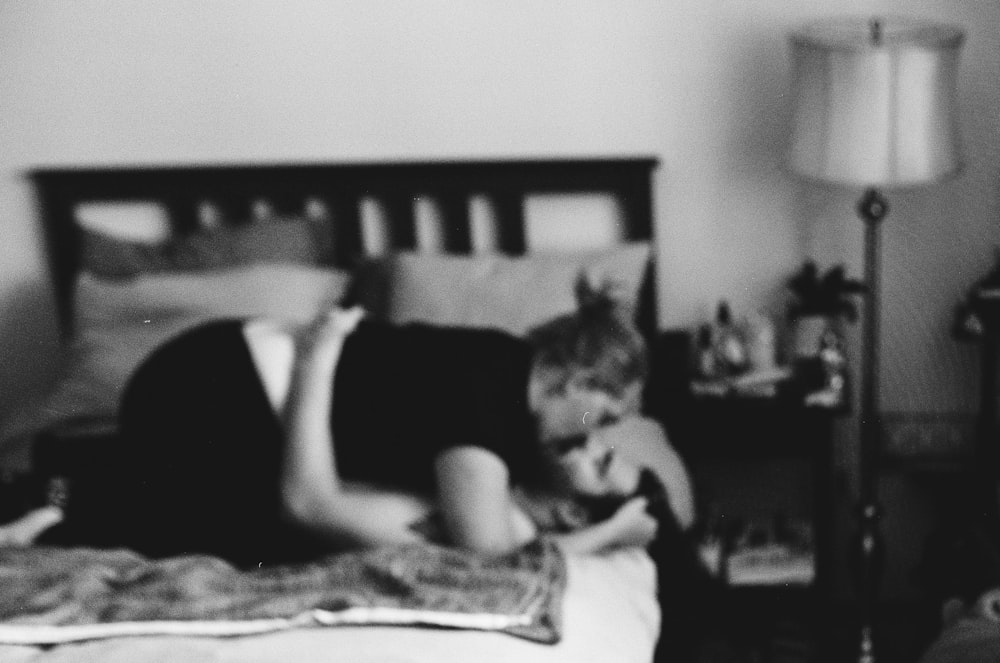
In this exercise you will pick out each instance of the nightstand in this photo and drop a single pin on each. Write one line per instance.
(759, 465)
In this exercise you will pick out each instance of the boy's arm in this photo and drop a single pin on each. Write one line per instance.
(476, 504)
(644, 442)
(479, 512)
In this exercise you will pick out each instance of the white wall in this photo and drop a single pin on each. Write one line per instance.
(698, 83)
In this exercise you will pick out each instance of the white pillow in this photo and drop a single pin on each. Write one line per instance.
(497, 291)
(119, 323)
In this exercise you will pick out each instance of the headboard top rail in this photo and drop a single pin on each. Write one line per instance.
(545, 173)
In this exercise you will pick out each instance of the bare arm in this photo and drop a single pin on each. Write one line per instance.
(480, 514)
(475, 501)
(677, 483)
(644, 442)
(312, 492)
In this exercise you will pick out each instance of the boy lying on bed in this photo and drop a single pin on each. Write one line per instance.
(260, 444)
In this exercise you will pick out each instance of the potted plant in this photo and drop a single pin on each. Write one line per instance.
(820, 303)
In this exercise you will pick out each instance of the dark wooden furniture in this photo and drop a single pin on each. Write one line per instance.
(750, 458)
(988, 418)
(753, 459)
(339, 189)
(232, 190)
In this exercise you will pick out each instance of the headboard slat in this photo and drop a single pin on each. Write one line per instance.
(508, 210)
(345, 224)
(401, 220)
(456, 226)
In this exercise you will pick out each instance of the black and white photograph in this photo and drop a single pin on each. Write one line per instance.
(542, 331)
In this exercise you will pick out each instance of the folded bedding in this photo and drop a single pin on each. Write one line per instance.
(60, 595)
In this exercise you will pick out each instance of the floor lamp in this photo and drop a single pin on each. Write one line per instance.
(875, 107)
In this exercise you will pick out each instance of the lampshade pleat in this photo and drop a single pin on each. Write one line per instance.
(870, 113)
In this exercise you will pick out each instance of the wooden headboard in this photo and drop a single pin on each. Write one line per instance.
(231, 191)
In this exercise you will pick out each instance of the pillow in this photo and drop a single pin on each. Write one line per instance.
(118, 324)
(513, 294)
(146, 221)
(289, 240)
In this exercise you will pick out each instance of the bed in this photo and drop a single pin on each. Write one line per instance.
(140, 254)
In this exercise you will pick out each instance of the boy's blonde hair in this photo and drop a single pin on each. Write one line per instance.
(599, 338)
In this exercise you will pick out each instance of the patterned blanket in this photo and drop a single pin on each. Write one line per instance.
(55, 595)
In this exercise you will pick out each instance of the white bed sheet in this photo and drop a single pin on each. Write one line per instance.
(610, 615)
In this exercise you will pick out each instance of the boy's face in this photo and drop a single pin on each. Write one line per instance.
(566, 424)
(593, 469)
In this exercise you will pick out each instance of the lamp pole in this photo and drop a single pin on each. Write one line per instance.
(872, 208)
(875, 104)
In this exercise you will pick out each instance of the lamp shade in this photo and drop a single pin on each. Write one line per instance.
(875, 102)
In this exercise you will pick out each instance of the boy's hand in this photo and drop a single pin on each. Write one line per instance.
(327, 331)
(632, 525)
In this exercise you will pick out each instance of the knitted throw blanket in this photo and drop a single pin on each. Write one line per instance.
(56, 595)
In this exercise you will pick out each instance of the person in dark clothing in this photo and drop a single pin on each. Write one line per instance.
(260, 443)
